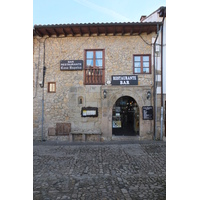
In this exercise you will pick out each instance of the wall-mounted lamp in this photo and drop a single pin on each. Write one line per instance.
(148, 94)
(41, 84)
(104, 94)
(44, 71)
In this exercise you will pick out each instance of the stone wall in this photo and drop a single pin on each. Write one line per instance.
(158, 118)
(63, 106)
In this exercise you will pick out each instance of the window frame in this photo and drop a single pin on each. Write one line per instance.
(49, 83)
(94, 67)
(141, 61)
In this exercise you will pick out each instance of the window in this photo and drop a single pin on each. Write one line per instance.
(52, 87)
(80, 100)
(142, 64)
(94, 71)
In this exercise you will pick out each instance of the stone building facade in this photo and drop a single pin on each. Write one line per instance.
(67, 100)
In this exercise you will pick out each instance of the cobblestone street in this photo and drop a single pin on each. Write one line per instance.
(107, 170)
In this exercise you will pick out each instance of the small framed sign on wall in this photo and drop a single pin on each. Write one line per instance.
(147, 112)
(71, 65)
(89, 112)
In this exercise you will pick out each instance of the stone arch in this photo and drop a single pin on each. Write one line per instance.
(134, 95)
(113, 94)
(113, 97)
(125, 117)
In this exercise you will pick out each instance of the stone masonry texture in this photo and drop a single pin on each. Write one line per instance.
(63, 105)
(123, 171)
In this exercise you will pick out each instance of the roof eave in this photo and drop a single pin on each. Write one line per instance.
(95, 28)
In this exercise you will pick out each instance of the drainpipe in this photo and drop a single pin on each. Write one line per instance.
(154, 93)
(42, 86)
(44, 70)
(161, 111)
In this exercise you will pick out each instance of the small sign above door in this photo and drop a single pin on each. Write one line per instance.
(124, 80)
(71, 65)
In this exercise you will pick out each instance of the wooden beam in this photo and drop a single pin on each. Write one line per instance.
(89, 31)
(39, 33)
(123, 31)
(140, 31)
(56, 32)
(64, 32)
(114, 32)
(72, 31)
(131, 32)
(81, 32)
(48, 33)
(106, 31)
(97, 31)
(149, 31)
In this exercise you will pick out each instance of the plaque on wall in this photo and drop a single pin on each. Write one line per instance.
(71, 65)
(147, 112)
(89, 112)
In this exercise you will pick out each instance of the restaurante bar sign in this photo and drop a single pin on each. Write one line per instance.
(124, 80)
(71, 65)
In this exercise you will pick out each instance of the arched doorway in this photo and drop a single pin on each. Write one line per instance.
(125, 117)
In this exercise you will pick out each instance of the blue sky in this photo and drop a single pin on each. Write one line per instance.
(89, 11)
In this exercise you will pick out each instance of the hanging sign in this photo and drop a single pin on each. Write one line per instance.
(124, 80)
(71, 65)
(147, 112)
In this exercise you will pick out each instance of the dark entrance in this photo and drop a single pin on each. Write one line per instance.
(125, 120)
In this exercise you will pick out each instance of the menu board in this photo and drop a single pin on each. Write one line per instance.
(89, 112)
(147, 112)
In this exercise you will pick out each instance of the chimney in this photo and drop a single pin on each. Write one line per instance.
(142, 18)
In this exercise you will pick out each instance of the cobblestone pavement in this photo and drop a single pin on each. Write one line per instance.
(132, 170)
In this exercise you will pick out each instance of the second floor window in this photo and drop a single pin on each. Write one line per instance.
(141, 64)
(94, 72)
